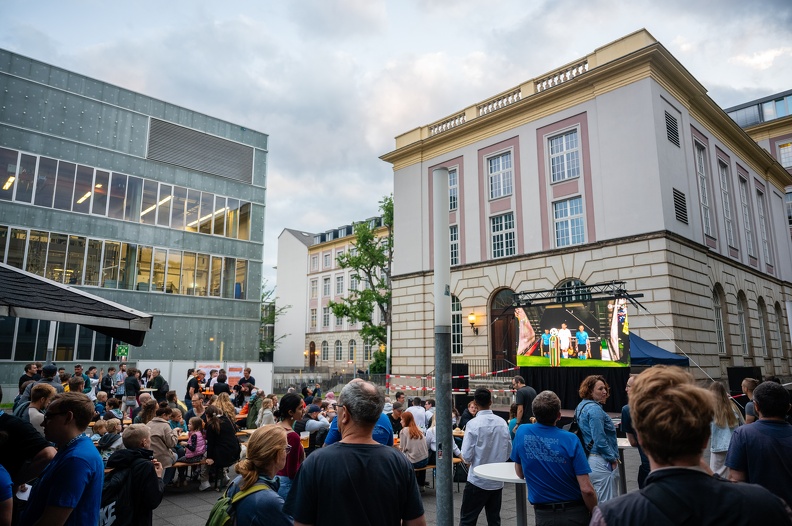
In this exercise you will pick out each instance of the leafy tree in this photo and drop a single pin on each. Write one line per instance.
(370, 263)
(378, 364)
(270, 312)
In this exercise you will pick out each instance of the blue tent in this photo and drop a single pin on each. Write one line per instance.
(644, 353)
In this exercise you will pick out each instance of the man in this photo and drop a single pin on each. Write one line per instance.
(158, 382)
(486, 441)
(762, 452)
(245, 385)
(317, 392)
(119, 381)
(107, 383)
(524, 398)
(356, 481)
(382, 432)
(198, 408)
(49, 372)
(583, 344)
(564, 340)
(400, 397)
(193, 387)
(69, 490)
(429, 406)
(418, 412)
(546, 337)
(30, 373)
(40, 398)
(315, 424)
(395, 417)
(627, 427)
(748, 385)
(78, 371)
(133, 490)
(672, 416)
(143, 398)
(554, 466)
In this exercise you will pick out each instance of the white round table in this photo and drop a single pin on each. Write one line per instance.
(504, 472)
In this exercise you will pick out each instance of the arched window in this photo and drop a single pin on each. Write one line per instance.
(571, 290)
(339, 351)
(352, 346)
(779, 331)
(456, 326)
(720, 335)
(325, 351)
(742, 320)
(763, 326)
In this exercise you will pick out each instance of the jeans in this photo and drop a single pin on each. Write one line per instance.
(474, 499)
(604, 479)
(285, 486)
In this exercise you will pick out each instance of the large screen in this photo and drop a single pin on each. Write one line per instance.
(582, 334)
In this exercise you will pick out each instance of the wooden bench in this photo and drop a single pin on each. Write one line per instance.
(434, 466)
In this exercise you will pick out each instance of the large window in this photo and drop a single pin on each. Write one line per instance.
(742, 321)
(314, 288)
(745, 206)
(456, 326)
(453, 189)
(339, 351)
(366, 351)
(788, 202)
(720, 335)
(352, 348)
(779, 331)
(764, 335)
(339, 285)
(785, 154)
(703, 184)
(764, 228)
(502, 232)
(454, 235)
(313, 318)
(325, 287)
(564, 156)
(725, 187)
(499, 168)
(568, 220)
(325, 351)
(325, 316)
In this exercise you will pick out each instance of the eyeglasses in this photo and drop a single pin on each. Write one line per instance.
(288, 449)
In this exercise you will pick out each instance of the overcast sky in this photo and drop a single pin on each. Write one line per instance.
(334, 81)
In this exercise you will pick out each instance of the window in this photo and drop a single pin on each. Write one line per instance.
(456, 326)
(785, 154)
(763, 228)
(325, 316)
(339, 253)
(500, 175)
(568, 219)
(314, 288)
(454, 235)
(325, 351)
(701, 172)
(313, 318)
(352, 347)
(314, 262)
(353, 282)
(564, 156)
(339, 351)
(571, 290)
(779, 333)
(453, 189)
(763, 325)
(743, 323)
(366, 351)
(339, 321)
(502, 231)
(788, 201)
(339, 285)
(326, 287)
(720, 336)
(746, 213)
(723, 170)
(327, 261)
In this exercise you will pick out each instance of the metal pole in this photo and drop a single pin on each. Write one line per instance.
(442, 331)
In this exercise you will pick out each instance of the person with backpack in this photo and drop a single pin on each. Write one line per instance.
(134, 489)
(252, 497)
(599, 437)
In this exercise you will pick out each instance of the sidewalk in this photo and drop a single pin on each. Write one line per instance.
(187, 506)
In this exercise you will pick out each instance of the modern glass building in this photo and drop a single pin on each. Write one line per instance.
(136, 200)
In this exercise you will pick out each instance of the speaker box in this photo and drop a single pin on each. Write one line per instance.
(738, 374)
(459, 369)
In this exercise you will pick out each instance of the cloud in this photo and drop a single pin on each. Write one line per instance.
(761, 59)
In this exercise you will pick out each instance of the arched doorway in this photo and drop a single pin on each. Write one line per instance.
(503, 328)
(312, 356)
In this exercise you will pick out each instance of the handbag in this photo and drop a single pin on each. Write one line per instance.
(574, 427)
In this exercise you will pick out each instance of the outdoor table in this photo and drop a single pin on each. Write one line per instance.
(458, 433)
(147, 390)
(504, 472)
(623, 444)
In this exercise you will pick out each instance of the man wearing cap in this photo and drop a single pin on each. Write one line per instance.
(395, 417)
(313, 422)
(486, 441)
(48, 373)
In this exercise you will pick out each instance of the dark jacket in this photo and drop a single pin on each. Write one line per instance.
(222, 447)
(132, 490)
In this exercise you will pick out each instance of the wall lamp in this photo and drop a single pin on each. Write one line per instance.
(472, 321)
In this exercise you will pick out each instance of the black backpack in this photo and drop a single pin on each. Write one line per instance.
(574, 427)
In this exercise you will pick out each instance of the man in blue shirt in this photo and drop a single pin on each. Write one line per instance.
(583, 344)
(554, 466)
(546, 337)
(69, 490)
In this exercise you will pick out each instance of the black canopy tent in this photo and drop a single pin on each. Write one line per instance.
(26, 295)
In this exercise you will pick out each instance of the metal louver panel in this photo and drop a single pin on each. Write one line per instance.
(680, 206)
(672, 128)
(174, 144)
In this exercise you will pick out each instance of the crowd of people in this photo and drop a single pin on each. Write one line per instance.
(120, 450)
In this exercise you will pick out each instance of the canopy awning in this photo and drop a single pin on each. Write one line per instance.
(644, 353)
(26, 295)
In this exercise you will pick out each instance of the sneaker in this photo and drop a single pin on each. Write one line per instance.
(204, 486)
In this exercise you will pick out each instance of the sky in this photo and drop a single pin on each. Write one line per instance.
(333, 82)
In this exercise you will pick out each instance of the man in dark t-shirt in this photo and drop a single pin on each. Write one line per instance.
(30, 374)
(395, 417)
(193, 386)
(524, 397)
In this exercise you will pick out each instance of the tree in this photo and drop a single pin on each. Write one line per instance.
(270, 312)
(378, 363)
(370, 262)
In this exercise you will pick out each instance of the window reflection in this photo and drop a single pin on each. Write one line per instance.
(8, 173)
(174, 272)
(148, 214)
(56, 257)
(37, 252)
(112, 262)
(75, 260)
(217, 275)
(93, 263)
(117, 196)
(158, 277)
(201, 274)
(64, 348)
(232, 218)
(127, 277)
(101, 187)
(26, 177)
(134, 196)
(241, 279)
(244, 221)
(27, 330)
(84, 343)
(219, 216)
(178, 207)
(193, 210)
(83, 189)
(207, 212)
(144, 268)
(64, 187)
(229, 272)
(45, 181)
(164, 205)
(188, 274)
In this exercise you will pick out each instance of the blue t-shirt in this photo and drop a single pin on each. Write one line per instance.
(383, 432)
(582, 337)
(74, 480)
(551, 460)
(546, 338)
(6, 486)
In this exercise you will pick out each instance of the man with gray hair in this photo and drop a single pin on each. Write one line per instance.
(345, 483)
(554, 466)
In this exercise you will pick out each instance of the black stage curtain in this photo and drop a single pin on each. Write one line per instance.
(565, 382)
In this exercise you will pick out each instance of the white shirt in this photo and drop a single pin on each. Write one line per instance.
(431, 442)
(429, 414)
(563, 338)
(419, 413)
(486, 441)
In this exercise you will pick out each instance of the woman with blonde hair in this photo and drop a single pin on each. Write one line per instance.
(727, 418)
(267, 450)
(225, 404)
(265, 416)
(413, 444)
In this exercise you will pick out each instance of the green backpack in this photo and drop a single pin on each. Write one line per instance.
(223, 512)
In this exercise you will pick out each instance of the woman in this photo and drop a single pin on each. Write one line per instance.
(225, 404)
(145, 377)
(222, 446)
(220, 386)
(599, 435)
(267, 451)
(147, 413)
(163, 440)
(131, 390)
(468, 414)
(289, 411)
(413, 444)
(727, 419)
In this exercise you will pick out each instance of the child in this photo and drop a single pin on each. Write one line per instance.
(99, 430)
(111, 441)
(176, 421)
(512, 420)
(113, 409)
(195, 449)
(101, 404)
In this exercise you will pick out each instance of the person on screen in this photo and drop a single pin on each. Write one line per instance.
(546, 339)
(583, 344)
(564, 340)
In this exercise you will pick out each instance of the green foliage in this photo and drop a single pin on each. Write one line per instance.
(378, 364)
(370, 263)
(270, 312)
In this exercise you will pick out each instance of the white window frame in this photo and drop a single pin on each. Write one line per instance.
(325, 316)
(785, 154)
(354, 283)
(745, 205)
(764, 227)
(703, 184)
(352, 348)
(453, 233)
(500, 176)
(720, 335)
(339, 321)
(742, 326)
(313, 318)
(339, 351)
(327, 260)
(314, 288)
(564, 156)
(572, 222)
(456, 327)
(326, 287)
(453, 189)
(502, 235)
(325, 351)
(725, 187)
(339, 285)
(314, 262)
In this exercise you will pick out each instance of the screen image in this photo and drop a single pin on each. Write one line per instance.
(591, 333)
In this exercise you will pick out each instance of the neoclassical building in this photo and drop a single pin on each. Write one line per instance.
(616, 166)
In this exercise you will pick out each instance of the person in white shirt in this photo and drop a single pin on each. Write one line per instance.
(486, 441)
(564, 340)
(40, 397)
(419, 413)
(429, 406)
